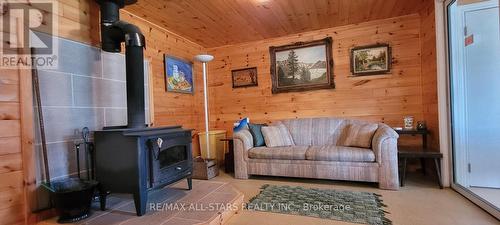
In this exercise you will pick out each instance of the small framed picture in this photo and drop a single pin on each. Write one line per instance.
(178, 75)
(371, 60)
(244, 77)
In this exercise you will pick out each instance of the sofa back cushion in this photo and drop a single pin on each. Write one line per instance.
(277, 136)
(255, 130)
(300, 130)
(315, 131)
(359, 134)
(327, 131)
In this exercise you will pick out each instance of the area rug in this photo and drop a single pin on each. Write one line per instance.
(348, 206)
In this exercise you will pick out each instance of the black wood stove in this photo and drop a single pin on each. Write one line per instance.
(134, 158)
(139, 160)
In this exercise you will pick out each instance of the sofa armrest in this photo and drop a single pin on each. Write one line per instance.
(242, 141)
(383, 133)
(385, 147)
(245, 137)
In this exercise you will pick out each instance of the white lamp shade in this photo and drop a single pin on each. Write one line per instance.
(204, 58)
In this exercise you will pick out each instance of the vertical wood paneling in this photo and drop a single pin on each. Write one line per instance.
(429, 71)
(386, 98)
(27, 139)
(12, 192)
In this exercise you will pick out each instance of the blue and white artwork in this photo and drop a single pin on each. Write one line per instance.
(179, 75)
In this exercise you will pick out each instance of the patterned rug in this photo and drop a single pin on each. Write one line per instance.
(348, 206)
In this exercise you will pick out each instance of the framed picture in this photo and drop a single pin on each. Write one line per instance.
(302, 66)
(244, 77)
(371, 60)
(179, 75)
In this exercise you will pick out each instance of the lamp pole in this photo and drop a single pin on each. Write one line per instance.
(204, 59)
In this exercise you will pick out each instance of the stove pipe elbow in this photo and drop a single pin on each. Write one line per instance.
(113, 33)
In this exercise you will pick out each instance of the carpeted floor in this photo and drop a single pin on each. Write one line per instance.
(348, 206)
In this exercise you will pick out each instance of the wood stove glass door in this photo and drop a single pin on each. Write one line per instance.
(172, 155)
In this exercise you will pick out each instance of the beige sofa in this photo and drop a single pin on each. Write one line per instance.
(317, 154)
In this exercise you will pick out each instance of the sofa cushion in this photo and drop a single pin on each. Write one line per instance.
(327, 131)
(359, 135)
(339, 153)
(258, 138)
(315, 131)
(300, 129)
(277, 136)
(291, 152)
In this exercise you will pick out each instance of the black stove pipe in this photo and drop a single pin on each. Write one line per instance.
(113, 33)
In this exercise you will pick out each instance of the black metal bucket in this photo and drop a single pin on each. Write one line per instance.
(72, 197)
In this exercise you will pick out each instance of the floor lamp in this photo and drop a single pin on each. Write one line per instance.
(204, 59)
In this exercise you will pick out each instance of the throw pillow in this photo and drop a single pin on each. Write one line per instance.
(277, 136)
(258, 138)
(360, 135)
(241, 124)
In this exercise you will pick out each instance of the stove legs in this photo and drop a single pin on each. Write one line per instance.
(102, 201)
(102, 197)
(140, 201)
(140, 198)
(190, 183)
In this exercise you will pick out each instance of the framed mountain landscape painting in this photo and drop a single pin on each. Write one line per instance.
(302, 66)
(371, 59)
(179, 75)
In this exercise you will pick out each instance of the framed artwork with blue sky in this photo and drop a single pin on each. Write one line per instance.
(179, 75)
(302, 66)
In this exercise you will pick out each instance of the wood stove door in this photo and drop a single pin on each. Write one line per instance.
(170, 159)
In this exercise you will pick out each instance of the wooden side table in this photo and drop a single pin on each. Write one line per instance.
(422, 154)
(415, 132)
(403, 156)
(229, 156)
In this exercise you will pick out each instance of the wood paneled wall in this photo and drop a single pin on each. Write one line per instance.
(386, 98)
(79, 21)
(172, 108)
(408, 90)
(16, 173)
(429, 71)
(12, 201)
(17, 167)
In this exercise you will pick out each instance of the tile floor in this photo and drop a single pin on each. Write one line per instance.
(188, 207)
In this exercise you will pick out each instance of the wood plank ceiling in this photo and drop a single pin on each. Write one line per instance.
(213, 23)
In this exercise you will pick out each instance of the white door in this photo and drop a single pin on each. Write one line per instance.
(482, 95)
